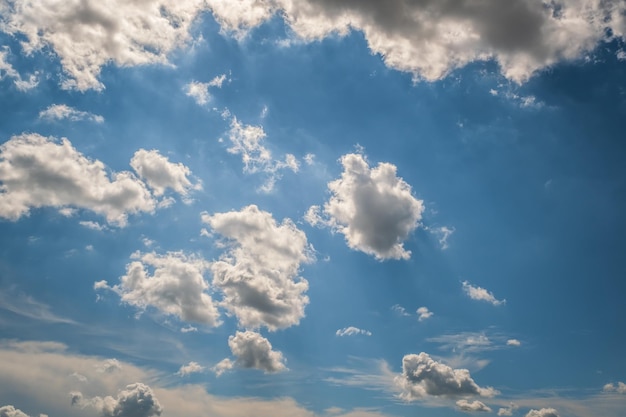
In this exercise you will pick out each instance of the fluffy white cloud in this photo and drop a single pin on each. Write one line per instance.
(481, 294)
(258, 274)
(223, 366)
(136, 400)
(430, 38)
(36, 171)
(86, 35)
(473, 406)
(176, 286)
(65, 112)
(508, 411)
(620, 388)
(544, 412)
(422, 376)
(190, 368)
(10, 411)
(513, 342)
(352, 331)
(247, 141)
(159, 173)
(372, 207)
(424, 313)
(200, 91)
(442, 233)
(7, 71)
(252, 350)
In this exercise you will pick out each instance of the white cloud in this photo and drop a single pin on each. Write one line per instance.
(247, 141)
(223, 366)
(136, 400)
(481, 294)
(424, 313)
(400, 310)
(473, 406)
(431, 38)
(508, 411)
(92, 225)
(198, 91)
(64, 112)
(176, 287)
(36, 171)
(190, 368)
(513, 342)
(7, 70)
(26, 306)
(443, 233)
(252, 350)
(620, 388)
(422, 376)
(544, 412)
(465, 342)
(159, 173)
(10, 411)
(352, 331)
(373, 208)
(188, 329)
(258, 274)
(109, 366)
(90, 34)
(309, 159)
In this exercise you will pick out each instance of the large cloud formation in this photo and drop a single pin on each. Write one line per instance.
(258, 274)
(430, 38)
(372, 207)
(88, 34)
(10, 411)
(136, 400)
(422, 376)
(38, 171)
(176, 286)
(252, 350)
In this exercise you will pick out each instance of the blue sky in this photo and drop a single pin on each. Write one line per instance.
(312, 208)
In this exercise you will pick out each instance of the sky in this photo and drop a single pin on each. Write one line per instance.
(312, 208)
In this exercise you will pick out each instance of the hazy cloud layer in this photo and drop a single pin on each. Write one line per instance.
(252, 350)
(87, 35)
(472, 406)
(372, 207)
(481, 294)
(620, 388)
(175, 287)
(508, 411)
(258, 273)
(422, 376)
(430, 38)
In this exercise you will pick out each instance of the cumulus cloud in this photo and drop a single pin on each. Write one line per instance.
(190, 368)
(258, 273)
(424, 313)
(159, 173)
(175, 287)
(247, 141)
(430, 38)
(136, 400)
(252, 350)
(422, 376)
(513, 342)
(109, 366)
(65, 112)
(508, 411)
(10, 411)
(87, 35)
(7, 71)
(223, 366)
(37, 171)
(372, 207)
(544, 412)
(620, 388)
(473, 406)
(352, 331)
(481, 294)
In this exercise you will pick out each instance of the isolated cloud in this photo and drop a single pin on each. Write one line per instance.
(352, 331)
(442, 233)
(400, 310)
(473, 406)
(200, 91)
(190, 368)
(508, 411)
(247, 141)
(159, 173)
(544, 412)
(422, 376)
(481, 294)
(36, 171)
(513, 342)
(65, 112)
(372, 207)
(10, 411)
(136, 400)
(620, 388)
(430, 38)
(252, 350)
(87, 35)
(424, 313)
(258, 273)
(176, 286)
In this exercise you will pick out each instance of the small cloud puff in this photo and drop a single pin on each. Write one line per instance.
(424, 313)
(481, 294)
(472, 407)
(352, 331)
